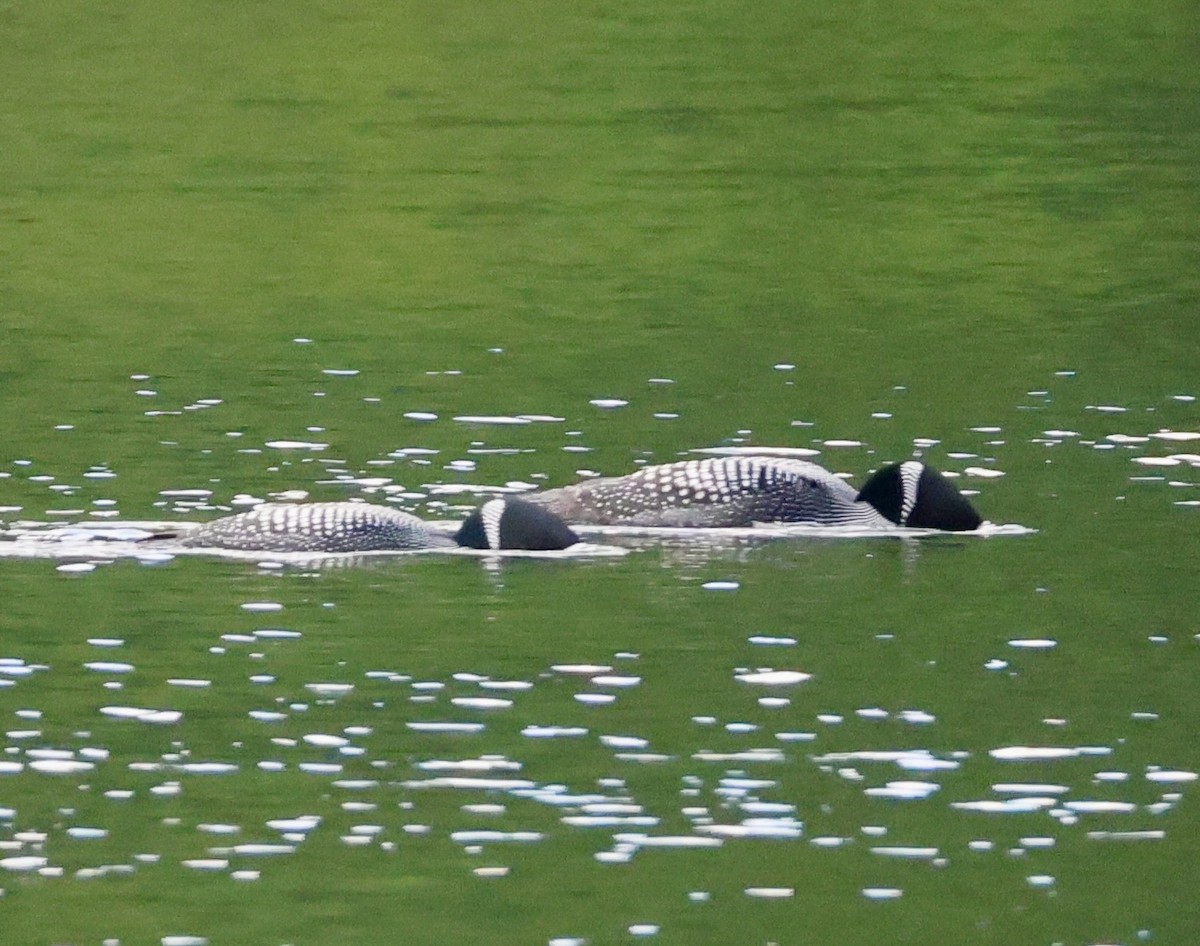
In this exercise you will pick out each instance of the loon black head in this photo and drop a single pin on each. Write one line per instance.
(915, 495)
(514, 524)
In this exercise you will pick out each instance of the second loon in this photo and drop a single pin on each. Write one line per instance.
(362, 527)
(740, 491)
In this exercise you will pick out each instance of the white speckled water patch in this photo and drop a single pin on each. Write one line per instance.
(773, 677)
(1045, 753)
(1172, 776)
(108, 666)
(903, 790)
(1033, 643)
(595, 699)
(702, 760)
(770, 893)
(309, 445)
(160, 717)
(882, 893)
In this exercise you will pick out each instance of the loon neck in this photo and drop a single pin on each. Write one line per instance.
(514, 524)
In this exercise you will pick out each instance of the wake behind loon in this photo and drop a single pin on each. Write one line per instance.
(724, 492)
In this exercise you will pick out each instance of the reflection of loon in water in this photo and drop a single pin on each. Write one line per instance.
(740, 491)
(720, 492)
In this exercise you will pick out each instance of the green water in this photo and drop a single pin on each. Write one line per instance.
(856, 222)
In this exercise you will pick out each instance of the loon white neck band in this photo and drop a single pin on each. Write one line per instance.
(910, 478)
(491, 514)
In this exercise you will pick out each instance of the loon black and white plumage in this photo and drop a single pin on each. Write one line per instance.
(362, 527)
(743, 490)
(714, 492)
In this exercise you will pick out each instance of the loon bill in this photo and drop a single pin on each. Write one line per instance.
(743, 490)
(362, 527)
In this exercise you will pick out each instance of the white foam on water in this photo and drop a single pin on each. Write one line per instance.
(262, 850)
(470, 765)
(300, 824)
(908, 852)
(472, 783)
(1029, 788)
(553, 732)
(324, 741)
(595, 699)
(496, 837)
(23, 863)
(296, 445)
(624, 742)
(1023, 805)
(329, 689)
(209, 864)
(142, 714)
(1158, 461)
(882, 893)
(773, 677)
(904, 790)
(1045, 753)
(1100, 807)
(481, 702)
(491, 419)
(1152, 835)
(770, 893)
(1171, 776)
(61, 766)
(615, 680)
(219, 828)
(756, 828)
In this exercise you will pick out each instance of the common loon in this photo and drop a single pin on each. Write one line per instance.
(743, 490)
(360, 527)
(714, 492)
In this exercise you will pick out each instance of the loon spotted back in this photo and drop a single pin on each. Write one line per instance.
(714, 492)
(743, 490)
(361, 527)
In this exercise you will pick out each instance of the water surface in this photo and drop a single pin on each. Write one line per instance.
(416, 254)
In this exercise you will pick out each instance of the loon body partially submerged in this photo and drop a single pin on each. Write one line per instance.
(362, 527)
(715, 492)
(743, 490)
